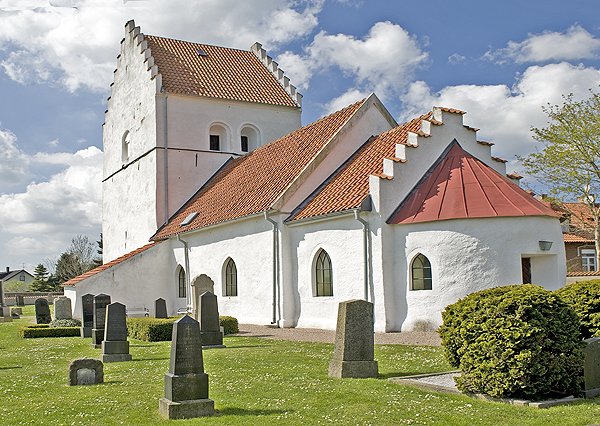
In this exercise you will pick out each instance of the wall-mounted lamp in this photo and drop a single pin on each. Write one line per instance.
(545, 245)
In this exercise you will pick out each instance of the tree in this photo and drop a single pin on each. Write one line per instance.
(569, 163)
(98, 259)
(40, 283)
(76, 260)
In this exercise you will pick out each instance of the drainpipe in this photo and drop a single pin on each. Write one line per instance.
(186, 266)
(166, 165)
(275, 266)
(365, 226)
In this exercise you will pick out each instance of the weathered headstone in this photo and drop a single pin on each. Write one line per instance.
(186, 384)
(200, 284)
(87, 315)
(62, 308)
(19, 300)
(85, 371)
(208, 312)
(160, 308)
(100, 303)
(591, 368)
(353, 354)
(16, 313)
(42, 311)
(115, 347)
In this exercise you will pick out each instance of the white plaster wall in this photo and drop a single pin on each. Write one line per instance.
(135, 282)
(469, 255)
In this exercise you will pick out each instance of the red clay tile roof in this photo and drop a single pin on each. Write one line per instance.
(581, 223)
(583, 274)
(571, 238)
(223, 73)
(461, 186)
(252, 183)
(114, 262)
(349, 185)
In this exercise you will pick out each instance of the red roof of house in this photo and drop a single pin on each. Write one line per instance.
(218, 72)
(114, 262)
(583, 274)
(461, 186)
(254, 182)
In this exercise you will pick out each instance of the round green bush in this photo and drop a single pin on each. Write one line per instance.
(65, 323)
(584, 298)
(229, 324)
(516, 341)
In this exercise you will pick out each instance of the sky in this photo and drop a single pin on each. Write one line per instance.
(501, 62)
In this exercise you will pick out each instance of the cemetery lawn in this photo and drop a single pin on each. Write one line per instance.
(253, 382)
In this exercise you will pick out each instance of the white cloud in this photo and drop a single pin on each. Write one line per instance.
(14, 164)
(505, 115)
(77, 47)
(456, 59)
(344, 100)
(574, 44)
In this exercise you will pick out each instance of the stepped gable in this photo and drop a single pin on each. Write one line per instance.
(110, 264)
(215, 72)
(254, 182)
(349, 185)
(459, 186)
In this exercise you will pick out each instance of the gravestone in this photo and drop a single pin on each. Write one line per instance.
(62, 308)
(200, 284)
(160, 308)
(353, 354)
(19, 300)
(87, 315)
(591, 368)
(42, 311)
(16, 313)
(186, 384)
(100, 303)
(85, 371)
(115, 347)
(208, 312)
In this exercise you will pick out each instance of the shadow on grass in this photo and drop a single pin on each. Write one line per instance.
(402, 374)
(10, 368)
(150, 359)
(245, 346)
(233, 411)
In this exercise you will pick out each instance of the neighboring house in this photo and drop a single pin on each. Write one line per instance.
(19, 276)
(411, 217)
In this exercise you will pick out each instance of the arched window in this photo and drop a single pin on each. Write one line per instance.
(182, 286)
(323, 275)
(218, 140)
(230, 278)
(249, 138)
(125, 146)
(421, 273)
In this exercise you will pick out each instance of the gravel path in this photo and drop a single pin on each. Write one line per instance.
(430, 338)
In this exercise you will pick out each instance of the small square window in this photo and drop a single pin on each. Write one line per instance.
(214, 143)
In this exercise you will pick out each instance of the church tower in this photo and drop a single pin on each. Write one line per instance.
(178, 111)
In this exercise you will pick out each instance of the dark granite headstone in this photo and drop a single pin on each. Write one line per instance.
(353, 354)
(115, 347)
(19, 300)
(42, 311)
(100, 303)
(186, 384)
(208, 312)
(85, 371)
(87, 315)
(160, 308)
(591, 367)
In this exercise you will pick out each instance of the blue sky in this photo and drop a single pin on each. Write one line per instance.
(499, 61)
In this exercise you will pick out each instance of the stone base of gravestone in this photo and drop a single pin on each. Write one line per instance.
(86, 331)
(97, 338)
(212, 339)
(591, 368)
(85, 371)
(4, 311)
(185, 409)
(183, 387)
(6, 319)
(356, 369)
(115, 351)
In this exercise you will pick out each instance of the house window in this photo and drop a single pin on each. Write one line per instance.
(421, 273)
(588, 259)
(182, 285)
(230, 278)
(324, 275)
(244, 143)
(214, 142)
(22, 278)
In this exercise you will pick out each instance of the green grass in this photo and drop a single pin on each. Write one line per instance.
(253, 382)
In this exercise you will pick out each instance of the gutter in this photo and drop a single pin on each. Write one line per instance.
(365, 226)
(188, 288)
(275, 265)
(166, 162)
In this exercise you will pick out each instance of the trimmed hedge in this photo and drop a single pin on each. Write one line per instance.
(33, 332)
(584, 298)
(161, 329)
(514, 342)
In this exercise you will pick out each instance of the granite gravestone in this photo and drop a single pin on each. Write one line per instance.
(160, 308)
(87, 315)
(591, 367)
(208, 312)
(186, 384)
(85, 371)
(353, 354)
(16, 312)
(100, 303)
(62, 308)
(115, 347)
(42, 311)
(20, 300)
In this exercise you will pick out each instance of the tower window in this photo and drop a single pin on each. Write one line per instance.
(214, 143)
(244, 143)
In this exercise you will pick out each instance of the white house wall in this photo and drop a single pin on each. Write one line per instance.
(469, 255)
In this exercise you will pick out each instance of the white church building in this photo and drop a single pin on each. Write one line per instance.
(211, 184)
